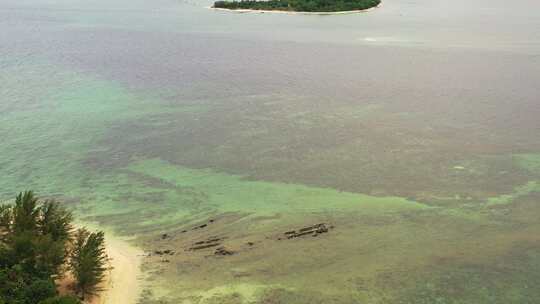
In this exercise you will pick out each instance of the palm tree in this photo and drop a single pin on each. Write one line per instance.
(33, 248)
(25, 213)
(35, 235)
(88, 261)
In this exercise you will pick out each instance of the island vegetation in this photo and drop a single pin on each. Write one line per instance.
(299, 5)
(39, 247)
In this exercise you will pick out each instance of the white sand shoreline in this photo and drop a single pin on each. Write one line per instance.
(243, 11)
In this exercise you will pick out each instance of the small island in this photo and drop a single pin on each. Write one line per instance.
(310, 6)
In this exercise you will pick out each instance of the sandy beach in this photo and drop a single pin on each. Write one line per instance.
(122, 282)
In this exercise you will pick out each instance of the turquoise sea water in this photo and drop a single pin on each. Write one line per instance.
(413, 129)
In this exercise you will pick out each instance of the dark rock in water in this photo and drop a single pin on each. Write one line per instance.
(223, 251)
(313, 230)
(164, 236)
(163, 252)
(200, 227)
(183, 231)
(204, 246)
(210, 242)
(250, 243)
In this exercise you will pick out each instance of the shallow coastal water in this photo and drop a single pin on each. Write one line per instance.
(412, 129)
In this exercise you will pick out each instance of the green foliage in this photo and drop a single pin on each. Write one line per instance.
(34, 239)
(22, 252)
(88, 261)
(25, 213)
(54, 226)
(19, 287)
(41, 289)
(60, 300)
(5, 221)
(300, 5)
(34, 235)
(55, 221)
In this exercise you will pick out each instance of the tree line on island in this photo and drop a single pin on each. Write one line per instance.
(299, 5)
(39, 248)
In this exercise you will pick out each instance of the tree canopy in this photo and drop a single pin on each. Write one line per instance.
(299, 5)
(37, 248)
(88, 260)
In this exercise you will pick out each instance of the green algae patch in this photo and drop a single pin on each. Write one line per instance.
(54, 127)
(488, 281)
(236, 293)
(529, 162)
(47, 132)
(531, 186)
(234, 193)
